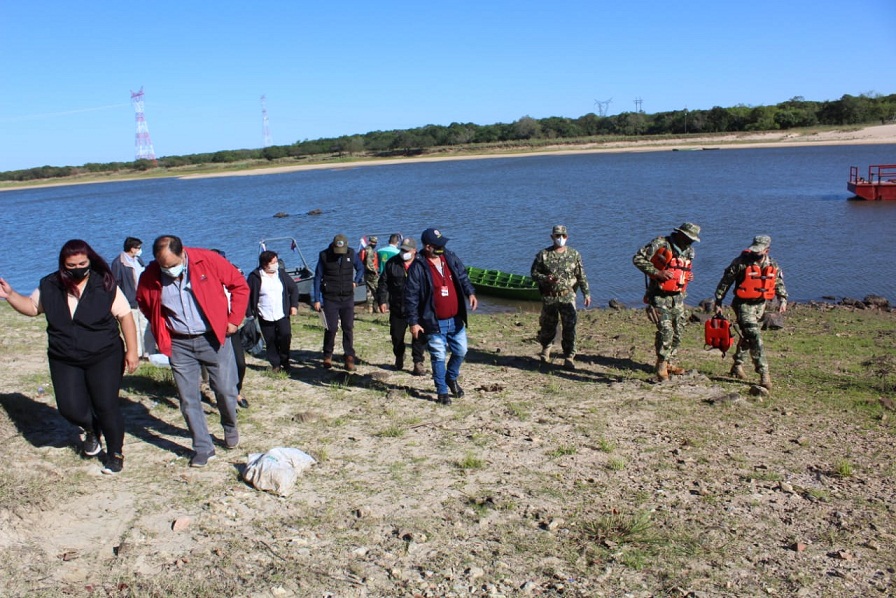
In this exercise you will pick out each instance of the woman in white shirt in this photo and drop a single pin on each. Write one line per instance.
(273, 297)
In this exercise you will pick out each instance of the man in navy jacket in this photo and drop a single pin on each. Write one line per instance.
(435, 303)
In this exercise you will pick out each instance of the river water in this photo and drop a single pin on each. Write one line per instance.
(498, 212)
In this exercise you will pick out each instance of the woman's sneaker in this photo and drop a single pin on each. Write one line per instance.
(91, 445)
(114, 464)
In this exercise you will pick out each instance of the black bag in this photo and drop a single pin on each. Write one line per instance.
(251, 339)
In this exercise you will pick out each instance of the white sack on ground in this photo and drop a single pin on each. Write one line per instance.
(277, 470)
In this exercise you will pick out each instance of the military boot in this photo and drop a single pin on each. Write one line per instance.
(765, 380)
(662, 370)
(737, 371)
(674, 370)
(545, 354)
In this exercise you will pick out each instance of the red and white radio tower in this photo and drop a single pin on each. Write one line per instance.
(265, 125)
(144, 142)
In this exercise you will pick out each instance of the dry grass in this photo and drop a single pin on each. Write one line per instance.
(539, 481)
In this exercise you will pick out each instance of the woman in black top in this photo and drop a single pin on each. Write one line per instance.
(86, 314)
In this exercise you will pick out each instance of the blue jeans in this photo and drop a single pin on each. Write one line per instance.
(448, 338)
(187, 358)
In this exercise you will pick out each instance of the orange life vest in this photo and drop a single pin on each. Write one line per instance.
(376, 258)
(680, 268)
(717, 333)
(758, 283)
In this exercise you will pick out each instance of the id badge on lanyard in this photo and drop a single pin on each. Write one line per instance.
(446, 276)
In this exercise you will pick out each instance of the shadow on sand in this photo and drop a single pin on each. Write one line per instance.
(40, 424)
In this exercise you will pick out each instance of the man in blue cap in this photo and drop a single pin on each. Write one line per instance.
(435, 303)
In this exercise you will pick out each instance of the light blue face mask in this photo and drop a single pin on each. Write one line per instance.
(174, 271)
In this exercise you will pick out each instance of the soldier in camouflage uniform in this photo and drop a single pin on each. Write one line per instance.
(757, 279)
(666, 262)
(371, 271)
(559, 273)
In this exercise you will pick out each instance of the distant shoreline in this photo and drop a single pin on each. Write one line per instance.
(874, 135)
(881, 134)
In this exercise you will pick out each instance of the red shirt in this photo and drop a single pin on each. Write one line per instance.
(444, 294)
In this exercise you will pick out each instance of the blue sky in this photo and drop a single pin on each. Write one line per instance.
(344, 67)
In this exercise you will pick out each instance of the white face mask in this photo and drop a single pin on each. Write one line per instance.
(174, 271)
(559, 241)
(272, 267)
(139, 253)
(407, 256)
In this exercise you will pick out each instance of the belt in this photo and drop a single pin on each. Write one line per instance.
(184, 336)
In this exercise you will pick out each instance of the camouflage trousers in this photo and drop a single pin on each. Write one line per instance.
(671, 320)
(749, 320)
(372, 281)
(552, 314)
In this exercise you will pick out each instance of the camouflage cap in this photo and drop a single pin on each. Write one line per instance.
(559, 229)
(372, 240)
(340, 244)
(408, 244)
(760, 244)
(690, 230)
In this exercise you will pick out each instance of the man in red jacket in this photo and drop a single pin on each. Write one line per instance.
(182, 294)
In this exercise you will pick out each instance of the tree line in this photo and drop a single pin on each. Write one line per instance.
(794, 113)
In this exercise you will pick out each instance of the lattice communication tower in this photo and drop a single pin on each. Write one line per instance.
(265, 125)
(638, 102)
(144, 150)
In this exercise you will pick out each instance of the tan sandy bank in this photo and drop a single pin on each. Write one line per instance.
(881, 134)
(540, 481)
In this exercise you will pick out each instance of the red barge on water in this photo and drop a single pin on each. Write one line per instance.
(879, 184)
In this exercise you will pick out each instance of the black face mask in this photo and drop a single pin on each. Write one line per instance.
(438, 250)
(79, 273)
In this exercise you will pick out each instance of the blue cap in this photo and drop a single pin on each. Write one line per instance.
(432, 236)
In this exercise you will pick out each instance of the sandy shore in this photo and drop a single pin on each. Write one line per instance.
(539, 482)
(882, 134)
